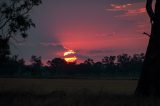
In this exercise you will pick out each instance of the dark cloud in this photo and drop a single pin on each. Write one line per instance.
(83, 57)
(53, 46)
(46, 50)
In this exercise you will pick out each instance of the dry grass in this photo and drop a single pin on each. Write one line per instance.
(76, 98)
(71, 92)
(49, 85)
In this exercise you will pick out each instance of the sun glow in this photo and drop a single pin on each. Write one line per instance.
(71, 59)
(69, 56)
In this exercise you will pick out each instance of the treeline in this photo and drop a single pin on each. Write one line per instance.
(120, 66)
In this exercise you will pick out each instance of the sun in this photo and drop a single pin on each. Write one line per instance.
(69, 56)
(70, 59)
(68, 52)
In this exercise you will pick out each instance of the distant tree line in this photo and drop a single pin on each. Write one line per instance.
(121, 66)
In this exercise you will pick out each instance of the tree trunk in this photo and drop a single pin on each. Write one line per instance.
(4, 49)
(149, 82)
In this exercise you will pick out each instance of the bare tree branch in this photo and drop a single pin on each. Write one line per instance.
(146, 34)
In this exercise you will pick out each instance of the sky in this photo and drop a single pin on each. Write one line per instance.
(91, 28)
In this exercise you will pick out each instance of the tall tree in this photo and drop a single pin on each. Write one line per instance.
(14, 21)
(149, 82)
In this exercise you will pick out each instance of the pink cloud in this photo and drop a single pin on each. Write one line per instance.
(128, 9)
(135, 12)
(119, 7)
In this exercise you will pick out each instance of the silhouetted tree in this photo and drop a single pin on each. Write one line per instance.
(137, 58)
(58, 65)
(89, 62)
(109, 64)
(4, 49)
(36, 61)
(88, 66)
(97, 68)
(36, 64)
(14, 21)
(109, 59)
(149, 82)
(123, 59)
(21, 61)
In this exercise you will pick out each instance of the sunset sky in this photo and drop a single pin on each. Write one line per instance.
(92, 28)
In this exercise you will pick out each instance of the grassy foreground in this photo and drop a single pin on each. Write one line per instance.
(71, 92)
(76, 98)
(46, 86)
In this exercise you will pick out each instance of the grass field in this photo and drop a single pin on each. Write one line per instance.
(71, 92)
(50, 85)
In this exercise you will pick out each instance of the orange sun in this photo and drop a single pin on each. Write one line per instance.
(69, 56)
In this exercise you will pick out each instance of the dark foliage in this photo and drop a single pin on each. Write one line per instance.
(121, 66)
(15, 21)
